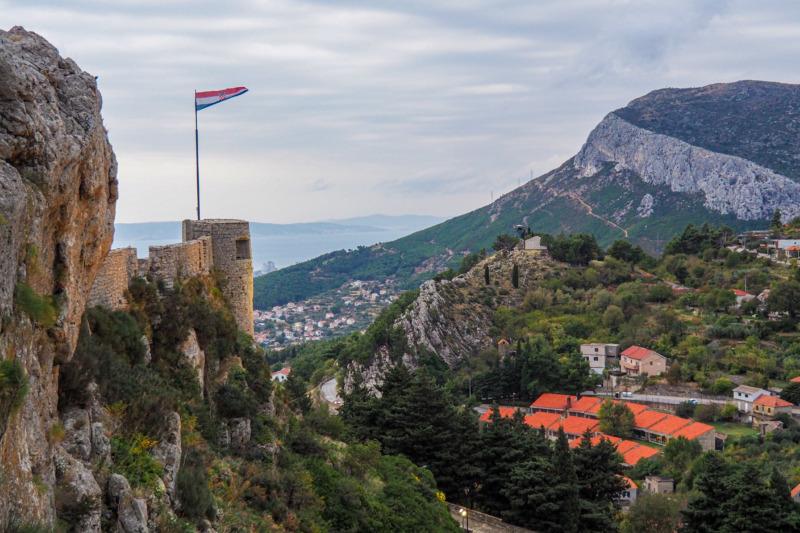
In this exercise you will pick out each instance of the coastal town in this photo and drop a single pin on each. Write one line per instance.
(351, 307)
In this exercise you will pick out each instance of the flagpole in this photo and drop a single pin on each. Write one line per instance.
(196, 155)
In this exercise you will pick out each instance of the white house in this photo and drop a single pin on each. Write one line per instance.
(742, 296)
(533, 243)
(282, 375)
(627, 497)
(744, 396)
(596, 353)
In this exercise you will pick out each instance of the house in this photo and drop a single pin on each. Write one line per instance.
(744, 396)
(638, 361)
(796, 493)
(631, 451)
(596, 353)
(742, 296)
(659, 485)
(787, 247)
(282, 375)
(627, 497)
(795, 379)
(503, 347)
(533, 243)
(552, 403)
(505, 412)
(771, 406)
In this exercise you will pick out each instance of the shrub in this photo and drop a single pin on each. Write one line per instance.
(41, 309)
(13, 388)
(723, 386)
(132, 459)
(192, 487)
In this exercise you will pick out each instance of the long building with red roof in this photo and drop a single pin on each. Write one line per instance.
(648, 424)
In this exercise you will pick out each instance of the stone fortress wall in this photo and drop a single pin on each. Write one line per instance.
(216, 244)
(231, 250)
(111, 282)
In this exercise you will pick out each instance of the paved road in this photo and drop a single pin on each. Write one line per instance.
(330, 393)
(672, 400)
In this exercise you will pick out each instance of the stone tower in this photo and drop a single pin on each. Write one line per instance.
(231, 255)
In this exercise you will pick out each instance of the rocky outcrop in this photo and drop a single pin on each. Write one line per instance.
(728, 184)
(131, 511)
(195, 356)
(58, 189)
(168, 453)
(78, 496)
(451, 318)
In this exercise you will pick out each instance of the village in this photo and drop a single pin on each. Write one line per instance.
(351, 307)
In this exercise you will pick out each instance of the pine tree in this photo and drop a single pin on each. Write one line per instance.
(705, 511)
(600, 482)
(564, 488)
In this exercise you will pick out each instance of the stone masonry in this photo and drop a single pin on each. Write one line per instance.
(221, 245)
(232, 257)
(116, 272)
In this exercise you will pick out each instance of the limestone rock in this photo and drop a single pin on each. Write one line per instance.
(101, 444)
(168, 452)
(58, 190)
(77, 433)
(78, 495)
(240, 433)
(728, 184)
(195, 356)
(131, 511)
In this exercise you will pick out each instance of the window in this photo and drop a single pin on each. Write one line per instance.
(242, 249)
(596, 358)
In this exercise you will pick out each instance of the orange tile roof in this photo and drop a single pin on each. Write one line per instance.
(693, 430)
(575, 425)
(596, 440)
(772, 401)
(795, 379)
(626, 445)
(638, 353)
(537, 420)
(505, 412)
(647, 418)
(739, 292)
(586, 404)
(637, 454)
(796, 490)
(635, 408)
(630, 482)
(550, 400)
(669, 425)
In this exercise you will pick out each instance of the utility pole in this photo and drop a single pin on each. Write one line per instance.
(196, 154)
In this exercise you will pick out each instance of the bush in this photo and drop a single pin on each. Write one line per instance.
(40, 309)
(132, 459)
(192, 487)
(659, 293)
(13, 388)
(723, 386)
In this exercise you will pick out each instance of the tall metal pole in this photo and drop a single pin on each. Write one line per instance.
(196, 155)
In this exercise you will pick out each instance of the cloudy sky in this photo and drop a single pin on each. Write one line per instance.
(359, 107)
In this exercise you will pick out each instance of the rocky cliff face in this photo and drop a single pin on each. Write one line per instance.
(452, 319)
(728, 184)
(58, 190)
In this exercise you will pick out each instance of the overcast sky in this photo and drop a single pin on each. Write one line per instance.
(393, 107)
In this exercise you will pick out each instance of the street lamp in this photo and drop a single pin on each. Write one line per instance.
(463, 513)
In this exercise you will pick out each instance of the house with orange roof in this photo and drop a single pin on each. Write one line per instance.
(281, 375)
(767, 407)
(744, 397)
(637, 361)
(574, 427)
(795, 379)
(703, 433)
(504, 411)
(541, 419)
(553, 403)
(662, 431)
(742, 296)
(796, 493)
(586, 407)
(631, 451)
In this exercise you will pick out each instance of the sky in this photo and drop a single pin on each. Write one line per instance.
(360, 107)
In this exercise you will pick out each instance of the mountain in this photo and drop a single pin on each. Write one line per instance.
(286, 244)
(723, 154)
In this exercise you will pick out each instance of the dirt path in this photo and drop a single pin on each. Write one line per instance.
(591, 213)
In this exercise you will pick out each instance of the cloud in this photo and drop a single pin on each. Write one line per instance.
(356, 107)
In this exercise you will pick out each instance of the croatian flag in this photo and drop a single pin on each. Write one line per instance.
(206, 99)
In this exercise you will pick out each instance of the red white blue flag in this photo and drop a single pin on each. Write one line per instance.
(206, 99)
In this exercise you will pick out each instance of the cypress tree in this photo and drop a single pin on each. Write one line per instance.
(486, 274)
(515, 276)
(564, 487)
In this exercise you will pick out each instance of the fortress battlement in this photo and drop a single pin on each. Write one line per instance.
(222, 245)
